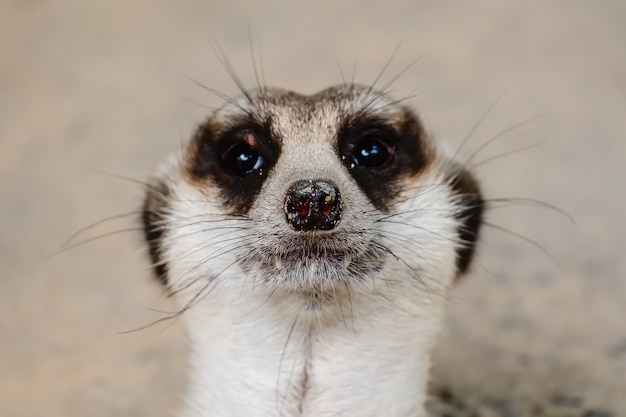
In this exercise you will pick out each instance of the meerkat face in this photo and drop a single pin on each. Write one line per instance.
(312, 194)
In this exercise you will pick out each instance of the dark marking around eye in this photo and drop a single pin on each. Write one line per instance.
(237, 159)
(378, 154)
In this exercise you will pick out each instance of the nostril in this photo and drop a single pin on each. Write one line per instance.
(313, 205)
(302, 208)
(327, 205)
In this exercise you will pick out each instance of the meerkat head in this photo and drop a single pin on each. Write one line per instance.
(310, 194)
(282, 209)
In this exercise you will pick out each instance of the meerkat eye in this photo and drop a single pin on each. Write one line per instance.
(371, 151)
(242, 158)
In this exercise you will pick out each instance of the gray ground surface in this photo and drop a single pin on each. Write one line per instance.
(99, 86)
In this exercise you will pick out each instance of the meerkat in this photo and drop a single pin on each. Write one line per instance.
(310, 242)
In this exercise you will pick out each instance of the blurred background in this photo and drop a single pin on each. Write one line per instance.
(95, 95)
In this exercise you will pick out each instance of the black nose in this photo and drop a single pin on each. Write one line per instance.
(313, 205)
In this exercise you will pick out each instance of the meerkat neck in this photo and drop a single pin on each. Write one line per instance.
(255, 355)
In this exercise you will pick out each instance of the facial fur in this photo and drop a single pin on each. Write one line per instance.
(307, 138)
(306, 201)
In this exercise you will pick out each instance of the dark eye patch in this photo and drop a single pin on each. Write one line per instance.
(378, 154)
(238, 159)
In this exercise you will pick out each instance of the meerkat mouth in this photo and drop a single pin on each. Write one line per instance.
(313, 263)
(313, 252)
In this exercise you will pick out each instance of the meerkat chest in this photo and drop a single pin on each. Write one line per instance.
(265, 357)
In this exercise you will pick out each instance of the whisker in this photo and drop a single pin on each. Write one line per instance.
(393, 303)
(226, 218)
(351, 309)
(488, 270)
(173, 316)
(84, 229)
(194, 300)
(196, 103)
(261, 65)
(399, 101)
(343, 78)
(420, 228)
(386, 66)
(430, 188)
(125, 178)
(228, 66)
(416, 210)
(210, 285)
(416, 275)
(280, 366)
(531, 202)
(501, 134)
(207, 246)
(478, 123)
(269, 297)
(398, 237)
(503, 154)
(218, 93)
(90, 240)
(214, 255)
(389, 83)
(259, 85)
(526, 239)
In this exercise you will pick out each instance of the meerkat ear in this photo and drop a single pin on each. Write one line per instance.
(153, 217)
(471, 208)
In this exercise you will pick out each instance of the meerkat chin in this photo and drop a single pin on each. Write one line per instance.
(310, 242)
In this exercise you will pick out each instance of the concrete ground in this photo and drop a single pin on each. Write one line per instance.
(100, 86)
